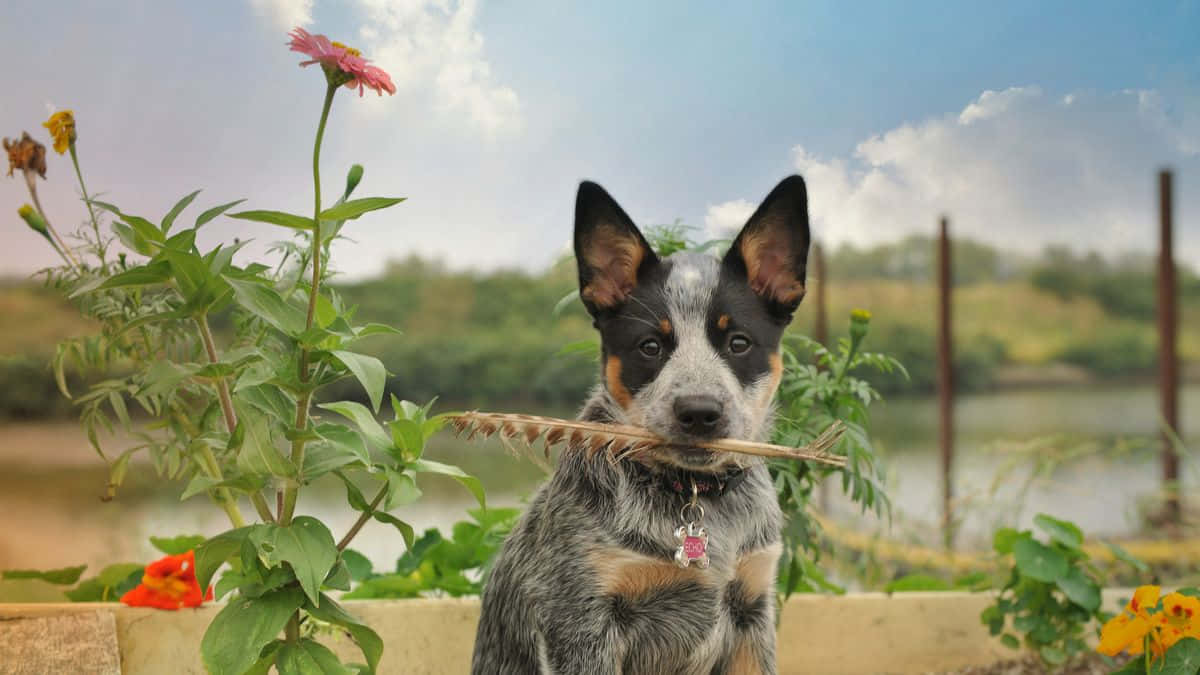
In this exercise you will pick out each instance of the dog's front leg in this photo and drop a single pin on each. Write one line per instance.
(578, 636)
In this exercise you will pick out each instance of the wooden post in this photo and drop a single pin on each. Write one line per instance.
(821, 335)
(821, 329)
(945, 381)
(1168, 367)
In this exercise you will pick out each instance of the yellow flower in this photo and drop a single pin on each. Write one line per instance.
(1123, 632)
(62, 128)
(1144, 599)
(860, 315)
(1180, 618)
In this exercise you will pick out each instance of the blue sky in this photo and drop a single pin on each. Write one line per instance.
(1029, 123)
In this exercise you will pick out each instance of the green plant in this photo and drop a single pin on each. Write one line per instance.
(818, 388)
(440, 565)
(236, 421)
(1052, 592)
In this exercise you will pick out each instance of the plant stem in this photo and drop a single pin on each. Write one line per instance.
(208, 463)
(88, 200)
(37, 203)
(210, 348)
(290, 493)
(362, 519)
(222, 386)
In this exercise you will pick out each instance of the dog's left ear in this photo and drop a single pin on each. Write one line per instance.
(771, 251)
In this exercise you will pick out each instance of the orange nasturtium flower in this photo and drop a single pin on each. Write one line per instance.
(1136, 626)
(62, 129)
(169, 583)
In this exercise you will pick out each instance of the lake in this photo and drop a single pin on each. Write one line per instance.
(1096, 448)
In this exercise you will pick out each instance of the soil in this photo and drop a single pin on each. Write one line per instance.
(1090, 664)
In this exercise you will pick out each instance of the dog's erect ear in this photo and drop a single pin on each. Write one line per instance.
(771, 251)
(612, 254)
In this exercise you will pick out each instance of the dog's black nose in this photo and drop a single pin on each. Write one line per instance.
(700, 415)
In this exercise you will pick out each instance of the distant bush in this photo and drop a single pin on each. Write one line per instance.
(1126, 350)
(28, 391)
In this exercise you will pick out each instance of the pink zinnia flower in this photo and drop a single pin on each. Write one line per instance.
(342, 64)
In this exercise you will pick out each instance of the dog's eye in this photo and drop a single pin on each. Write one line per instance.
(739, 344)
(650, 347)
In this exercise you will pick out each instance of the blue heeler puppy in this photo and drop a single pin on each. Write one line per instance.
(665, 564)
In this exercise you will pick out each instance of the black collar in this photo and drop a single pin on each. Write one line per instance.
(680, 481)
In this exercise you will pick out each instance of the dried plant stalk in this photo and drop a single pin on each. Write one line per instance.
(625, 442)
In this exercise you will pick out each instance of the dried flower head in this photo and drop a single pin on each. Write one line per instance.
(26, 154)
(342, 65)
(62, 129)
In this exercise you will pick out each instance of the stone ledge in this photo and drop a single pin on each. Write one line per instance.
(854, 633)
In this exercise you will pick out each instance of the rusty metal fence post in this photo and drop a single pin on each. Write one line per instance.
(945, 382)
(1168, 367)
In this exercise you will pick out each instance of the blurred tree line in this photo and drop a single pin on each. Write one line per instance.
(491, 339)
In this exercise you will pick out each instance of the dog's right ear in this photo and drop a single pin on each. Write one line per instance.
(611, 252)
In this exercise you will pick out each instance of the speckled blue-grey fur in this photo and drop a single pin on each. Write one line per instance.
(585, 582)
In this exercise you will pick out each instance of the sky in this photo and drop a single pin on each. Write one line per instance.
(1027, 123)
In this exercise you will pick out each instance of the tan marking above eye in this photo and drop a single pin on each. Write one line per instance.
(665, 326)
(612, 377)
(723, 322)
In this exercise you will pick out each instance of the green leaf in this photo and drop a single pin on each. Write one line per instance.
(1010, 641)
(1127, 557)
(213, 553)
(468, 481)
(113, 575)
(1053, 655)
(176, 545)
(307, 545)
(1002, 540)
(182, 204)
(1038, 561)
(916, 582)
(215, 211)
(1181, 659)
(1080, 589)
(267, 304)
(308, 657)
(566, 301)
(1065, 533)
(356, 207)
(402, 489)
(369, 371)
(238, 633)
(363, 419)
(63, 576)
(152, 273)
(406, 530)
(368, 640)
(258, 455)
(358, 564)
(275, 218)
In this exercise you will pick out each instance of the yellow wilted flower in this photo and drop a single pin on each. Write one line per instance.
(62, 128)
(26, 154)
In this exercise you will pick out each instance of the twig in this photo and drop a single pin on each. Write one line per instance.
(621, 442)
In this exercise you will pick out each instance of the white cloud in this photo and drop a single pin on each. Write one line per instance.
(285, 14)
(726, 218)
(434, 46)
(1017, 168)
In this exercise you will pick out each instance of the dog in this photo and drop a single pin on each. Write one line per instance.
(665, 564)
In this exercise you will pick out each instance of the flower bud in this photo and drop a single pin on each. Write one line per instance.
(34, 220)
(353, 178)
(859, 320)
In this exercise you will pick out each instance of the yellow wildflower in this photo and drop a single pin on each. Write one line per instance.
(62, 128)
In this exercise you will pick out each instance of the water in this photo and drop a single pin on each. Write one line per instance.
(50, 479)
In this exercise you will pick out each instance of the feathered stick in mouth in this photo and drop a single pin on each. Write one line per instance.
(626, 442)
